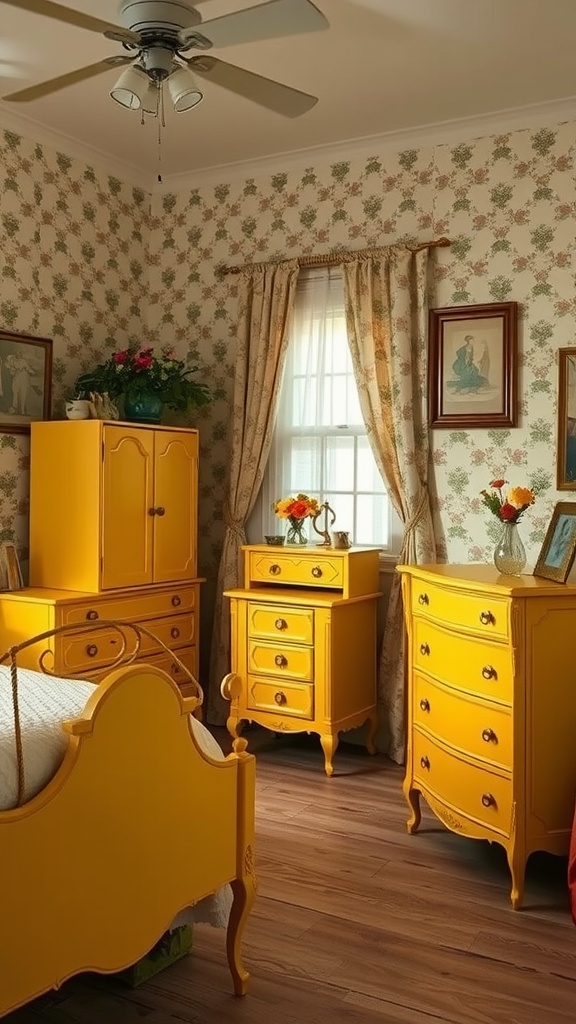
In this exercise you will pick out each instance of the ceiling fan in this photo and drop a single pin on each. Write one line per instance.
(158, 34)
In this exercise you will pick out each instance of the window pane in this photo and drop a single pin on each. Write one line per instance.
(373, 519)
(343, 505)
(339, 463)
(368, 478)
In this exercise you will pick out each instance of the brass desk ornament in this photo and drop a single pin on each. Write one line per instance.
(325, 533)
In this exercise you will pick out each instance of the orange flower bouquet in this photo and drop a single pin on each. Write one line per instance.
(510, 507)
(296, 511)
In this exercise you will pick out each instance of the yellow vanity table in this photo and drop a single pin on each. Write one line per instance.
(492, 707)
(304, 642)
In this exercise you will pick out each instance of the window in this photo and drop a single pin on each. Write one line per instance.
(320, 445)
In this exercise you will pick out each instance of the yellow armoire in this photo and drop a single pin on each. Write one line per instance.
(113, 535)
(492, 707)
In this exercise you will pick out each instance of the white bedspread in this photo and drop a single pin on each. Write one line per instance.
(44, 703)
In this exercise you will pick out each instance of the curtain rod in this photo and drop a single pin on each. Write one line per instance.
(334, 259)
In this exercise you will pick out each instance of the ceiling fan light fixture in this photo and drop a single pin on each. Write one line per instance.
(131, 88)
(183, 90)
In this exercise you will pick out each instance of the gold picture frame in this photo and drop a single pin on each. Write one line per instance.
(566, 432)
(559, 547)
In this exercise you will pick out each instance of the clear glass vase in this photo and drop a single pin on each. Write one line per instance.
(296, 533)
(509, 553)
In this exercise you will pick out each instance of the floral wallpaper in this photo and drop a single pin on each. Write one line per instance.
(93, 262)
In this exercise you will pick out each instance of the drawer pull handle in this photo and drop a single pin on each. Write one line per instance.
(488, 800)
(175, 632)
(316, 572)
(280, 697)
(489, 736)
(280, 661)
(92, 614)
(425, 763)
(174, 668)
(489, 672)
(423, 599)
(425, 704)
(91, 650)
(487, 619)
(274, 569)
(424, 649)
(151, 511)
(176, 601)
(281, 624)
(160, 511)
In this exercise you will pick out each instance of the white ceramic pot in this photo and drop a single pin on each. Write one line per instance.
(78, 409)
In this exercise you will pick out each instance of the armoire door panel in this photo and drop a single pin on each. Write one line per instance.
(175, 504)
(127, 501)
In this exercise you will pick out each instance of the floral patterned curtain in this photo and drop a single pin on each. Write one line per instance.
(265, 305)
(386, 314)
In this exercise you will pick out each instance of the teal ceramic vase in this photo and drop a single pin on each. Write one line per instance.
(143, 407)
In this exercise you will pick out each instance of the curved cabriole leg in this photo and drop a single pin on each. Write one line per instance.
(517, 865)
(329, 746)
(244, 890)
(234, 726)
(413, 800)
(372, 727)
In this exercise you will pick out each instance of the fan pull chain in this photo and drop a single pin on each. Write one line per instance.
(161, 125)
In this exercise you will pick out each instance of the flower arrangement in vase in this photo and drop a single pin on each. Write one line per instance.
(509, 553)
(296, 511)
(148, 382)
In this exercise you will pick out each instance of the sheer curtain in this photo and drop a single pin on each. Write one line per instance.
(320, 444)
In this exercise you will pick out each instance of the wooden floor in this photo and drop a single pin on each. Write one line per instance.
(358, 922)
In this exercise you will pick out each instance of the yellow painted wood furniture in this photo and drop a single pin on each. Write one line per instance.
(170, 612)
(304, 642)
(492, 707)
(112, 505)
(136, 825)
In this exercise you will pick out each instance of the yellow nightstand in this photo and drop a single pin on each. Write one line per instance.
(304, 642)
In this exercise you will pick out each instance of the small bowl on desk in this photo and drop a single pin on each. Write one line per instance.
(275, 540)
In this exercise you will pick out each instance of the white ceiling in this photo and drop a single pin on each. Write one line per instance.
(383, 66)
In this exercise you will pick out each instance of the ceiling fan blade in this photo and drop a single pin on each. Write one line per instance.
(282, 99)
(60, 13)
(266, 21)
(36, 92)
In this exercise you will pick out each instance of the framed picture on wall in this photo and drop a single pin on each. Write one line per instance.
(472, 366)
(25, 381)
(566, 449)
(559, 547)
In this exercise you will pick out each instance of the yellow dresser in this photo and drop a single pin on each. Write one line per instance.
(492, 707)
(304, 642)
(113, 534)
(170, 613)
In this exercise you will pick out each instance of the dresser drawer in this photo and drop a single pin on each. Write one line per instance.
(101, 646)
(315, 570)
(269, 622)
(460, 661)
(281, 696)
(131, 606)
(478, 794)
(274, 660)
(187, 655)
(484, 614)
(477, 728)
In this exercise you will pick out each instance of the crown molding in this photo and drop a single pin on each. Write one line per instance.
(535, 115)
(439, 133)
(37, 132)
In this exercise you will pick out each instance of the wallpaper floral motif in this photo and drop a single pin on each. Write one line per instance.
(93, 262)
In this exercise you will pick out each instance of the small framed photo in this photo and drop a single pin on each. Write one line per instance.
(566, 450)
(25, 381)
(472, 365)
(559, 547)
